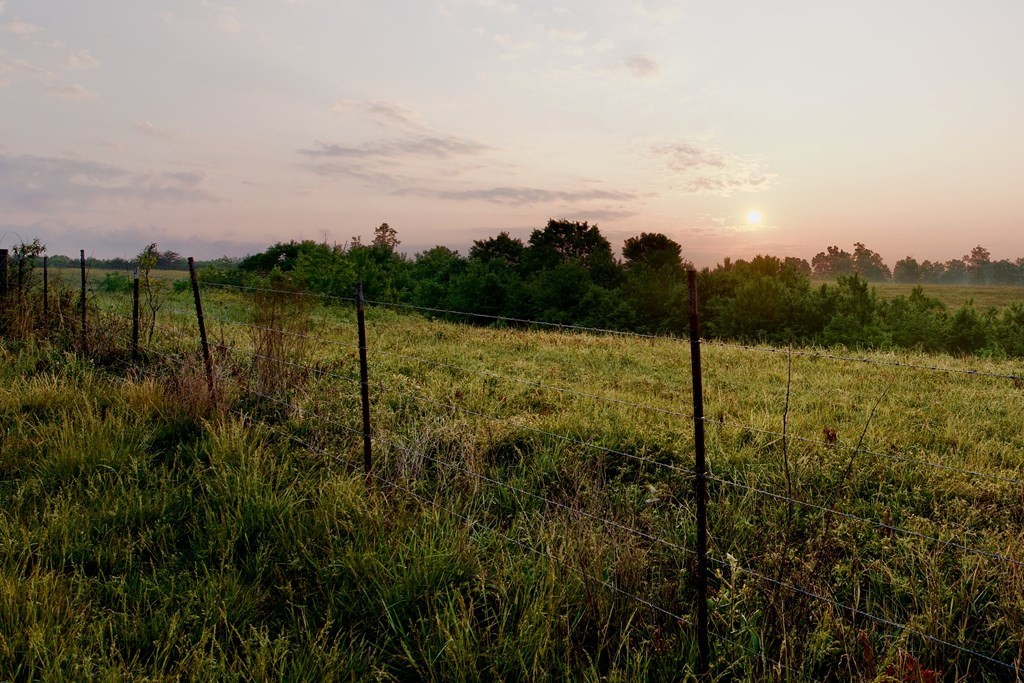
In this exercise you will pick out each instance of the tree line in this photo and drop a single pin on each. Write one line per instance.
(568, 273)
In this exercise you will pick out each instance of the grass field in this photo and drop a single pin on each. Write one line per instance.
(530, 513)
(954, 296)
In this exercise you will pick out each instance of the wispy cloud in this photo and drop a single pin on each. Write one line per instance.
(148, 128)
(229, 22)
(512, 46)
(17, 27)
(3, 6)
(641, 66)
(706, 170)
(518, 196)
(429, 146)
(498, 5)
(36, 182)
(20, 65)
(72, 92)
(81, 60)
(382, 112)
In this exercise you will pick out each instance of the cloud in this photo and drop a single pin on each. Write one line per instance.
(498, 5)
(82, 60)
(708, 171)
(384, 113)
(435, 147)
(18, 28)
(3, 6)
(640, 66)
(229, 22)
(599, 215)
(24, 67)
(72, 92)
(41, 183)
(518, 196)
(147, 128)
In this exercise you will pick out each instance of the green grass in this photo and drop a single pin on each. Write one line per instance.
(982, 296)
(147, 534)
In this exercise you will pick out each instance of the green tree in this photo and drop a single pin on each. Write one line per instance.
(832, 262)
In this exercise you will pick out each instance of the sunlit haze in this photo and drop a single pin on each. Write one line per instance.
(218, 128)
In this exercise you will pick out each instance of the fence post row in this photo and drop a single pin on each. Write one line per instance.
(202, 324)
(84, 337)
(364, 381)
(699, 485)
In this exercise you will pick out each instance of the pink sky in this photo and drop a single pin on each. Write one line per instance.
(216, 128)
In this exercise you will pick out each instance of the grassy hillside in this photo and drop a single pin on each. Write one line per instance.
(529, 515)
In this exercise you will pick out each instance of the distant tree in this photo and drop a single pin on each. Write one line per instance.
(833, 262)
(169, 260)
(869, 264)
(1006, 272)
(562, 241)
(797, 265)
(386, 237)
(907, 270)
(932, 271)
(502, 248)
(978, 264)
(955, 271)
(653, 250)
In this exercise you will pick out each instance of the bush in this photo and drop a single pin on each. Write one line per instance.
(115, 283)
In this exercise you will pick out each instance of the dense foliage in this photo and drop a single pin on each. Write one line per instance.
(568, 273)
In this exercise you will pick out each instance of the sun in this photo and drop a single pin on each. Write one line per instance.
(753, 217)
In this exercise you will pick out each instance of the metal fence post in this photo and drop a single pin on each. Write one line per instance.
(84, 330)
(3, 272)
(135, 316)
(699, 485)
(202, 324)
(21, 277)
(46, 291)
(364, 381)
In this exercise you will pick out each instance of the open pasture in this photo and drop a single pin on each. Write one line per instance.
(530, 511)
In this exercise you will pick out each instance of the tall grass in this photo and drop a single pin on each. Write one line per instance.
(147, 533)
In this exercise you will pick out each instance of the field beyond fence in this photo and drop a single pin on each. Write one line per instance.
(394, 492)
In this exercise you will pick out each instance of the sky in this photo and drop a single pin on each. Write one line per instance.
(218, 128)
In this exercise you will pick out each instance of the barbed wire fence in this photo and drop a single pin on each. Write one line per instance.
(702, 559)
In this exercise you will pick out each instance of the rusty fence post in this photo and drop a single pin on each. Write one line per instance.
(202, 325)
(3, 272)
(46, 292)
(135, 315)
(84, 328)
(364, 380)
(3, 289)
(700, 485)
(21, 277)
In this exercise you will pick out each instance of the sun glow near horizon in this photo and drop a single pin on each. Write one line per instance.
(754, 217)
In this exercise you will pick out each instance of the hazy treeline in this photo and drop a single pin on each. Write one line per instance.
(165, 260)
(976, 267)
(567, 273)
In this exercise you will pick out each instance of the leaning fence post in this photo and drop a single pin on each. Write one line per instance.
(135, 316)
(364, 381)
(700, 485)
(46, 292)
(84, 331)
(202, 324)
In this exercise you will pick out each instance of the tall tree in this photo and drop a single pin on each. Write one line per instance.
(653, 250)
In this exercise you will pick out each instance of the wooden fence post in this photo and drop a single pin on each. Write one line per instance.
(700, 486)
